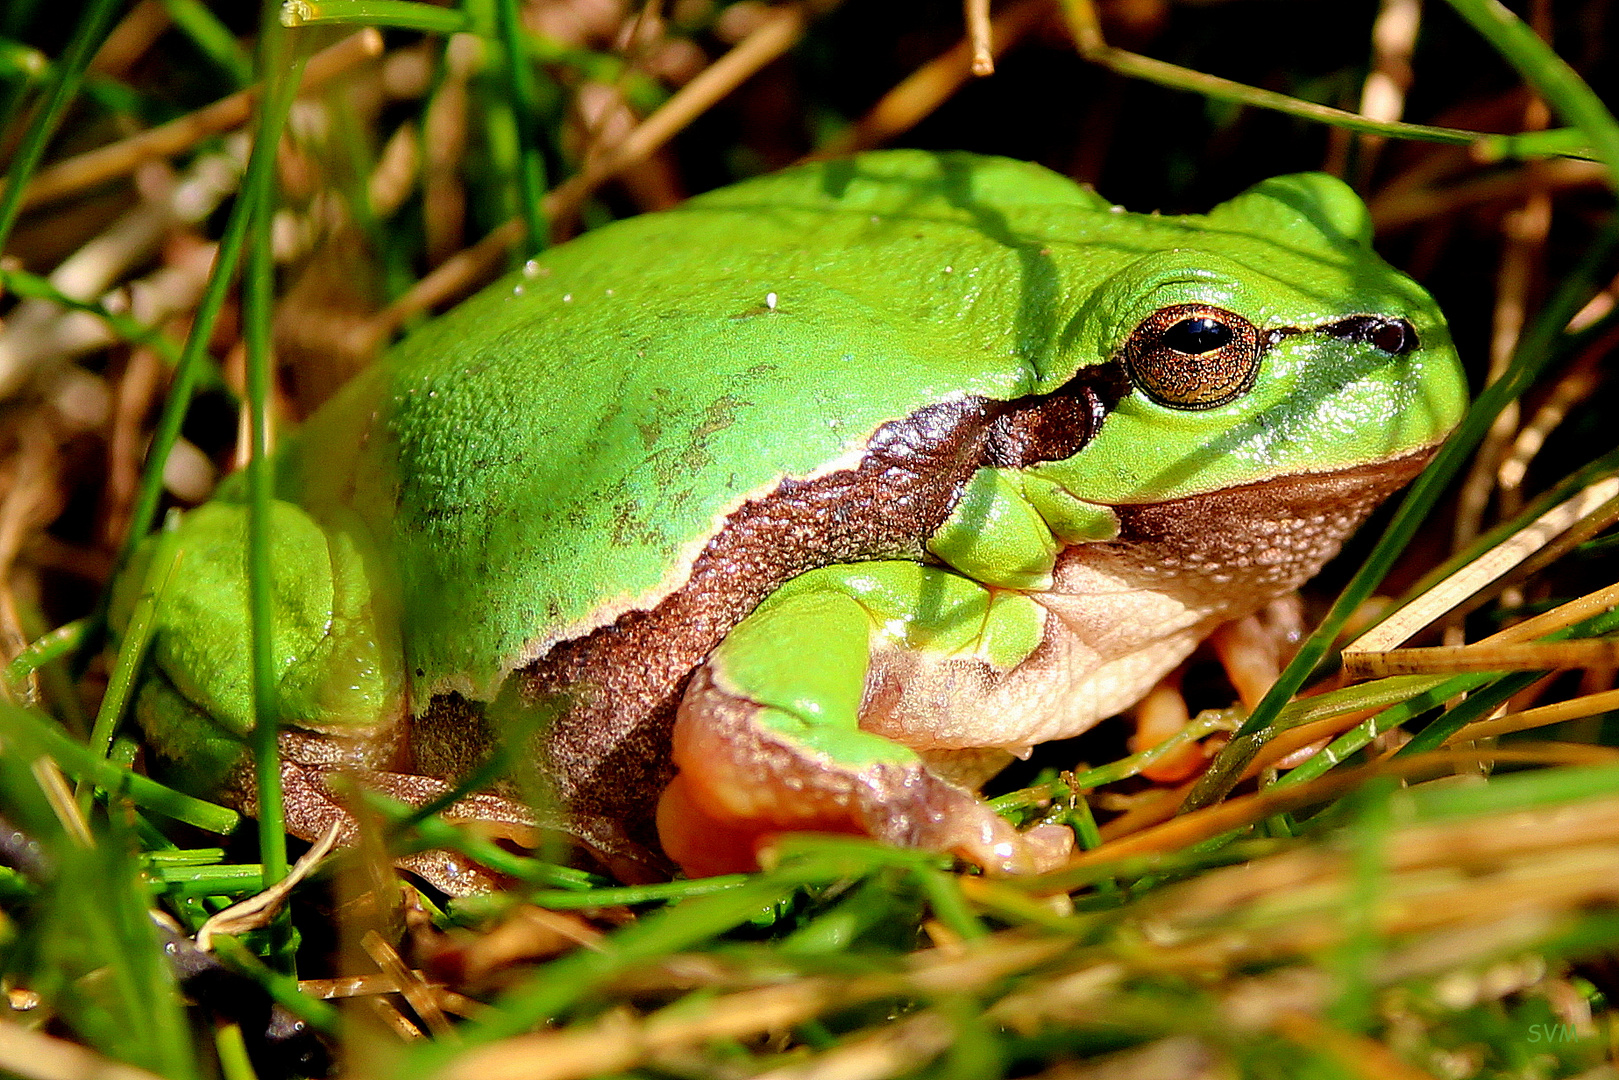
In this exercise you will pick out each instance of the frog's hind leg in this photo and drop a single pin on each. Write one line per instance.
(767, 737)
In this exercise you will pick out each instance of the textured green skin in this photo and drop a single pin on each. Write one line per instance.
(556, 450)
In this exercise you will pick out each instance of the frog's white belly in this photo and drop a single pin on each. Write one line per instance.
(1110, 634)
(1120, 615)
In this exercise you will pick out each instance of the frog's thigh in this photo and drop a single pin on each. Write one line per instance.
(768, 736)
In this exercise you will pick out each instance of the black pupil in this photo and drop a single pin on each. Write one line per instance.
(1198, 335)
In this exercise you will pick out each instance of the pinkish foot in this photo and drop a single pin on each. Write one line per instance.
(741, 783)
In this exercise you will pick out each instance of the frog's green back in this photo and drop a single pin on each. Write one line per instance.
(567, 440)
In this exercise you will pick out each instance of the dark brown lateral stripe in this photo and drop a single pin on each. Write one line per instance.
(1055, 426)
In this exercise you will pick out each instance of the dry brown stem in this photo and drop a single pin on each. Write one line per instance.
(444, 129)
(622, 1042)
(1554, 531)
(411, 985)
(121, 158)
(1188, 829)
(472, 266)
(1408, 207)
(1524, 231)
(981, 36)
(1382, 96)
(931, 85)
(135, 33)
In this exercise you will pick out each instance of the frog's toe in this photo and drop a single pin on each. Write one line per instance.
(742, 782)
(703, 843)
(1049, 846)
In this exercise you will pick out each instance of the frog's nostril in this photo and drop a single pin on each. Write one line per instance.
(1392, 335)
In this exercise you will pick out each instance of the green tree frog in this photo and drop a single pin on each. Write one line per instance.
(802, 505)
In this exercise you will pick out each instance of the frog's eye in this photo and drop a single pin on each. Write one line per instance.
(1193, 356)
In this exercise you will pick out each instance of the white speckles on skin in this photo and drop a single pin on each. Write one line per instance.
(875, 220)
(517, 290)
(531, 268)
(1116, 209)
(612, 292)
(950, 269)
(567, 298)
(770, 301)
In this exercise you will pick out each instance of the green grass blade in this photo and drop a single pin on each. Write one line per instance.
(949, 906)
(1513, 791)
(212, 38)
(283, 989)
(79, 763)
(187, 373)
(627, 895)
(1360, 736)
(21, 63)
(281, 72)
(234, 1063)
(66, 75)
(525, 106)
(59, 643)
(87, 945)
(258, 300)
(96, 924)
(137, 637)
(1489, 146)
(398, 14)
(1530, 145)
(560, 985)
(1478, 706)
(1568, 94)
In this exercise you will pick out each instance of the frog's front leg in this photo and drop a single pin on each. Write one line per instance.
(768, 740)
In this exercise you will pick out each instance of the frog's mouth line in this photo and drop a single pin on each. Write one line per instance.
(1301, 492)
(1272, 534)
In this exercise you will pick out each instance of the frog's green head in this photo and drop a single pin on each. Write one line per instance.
(1264, 339)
